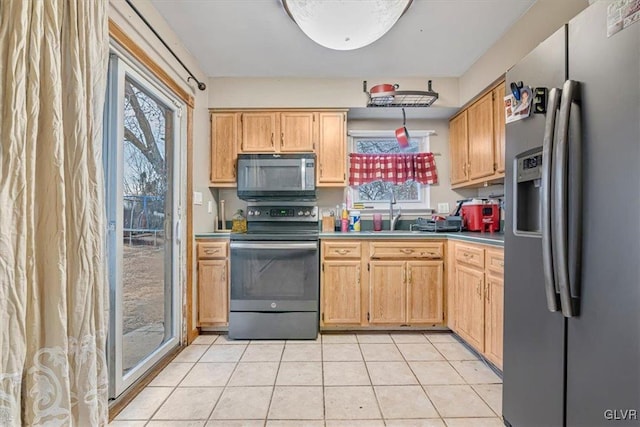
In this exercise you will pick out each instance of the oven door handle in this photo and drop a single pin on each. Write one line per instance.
(276, 246)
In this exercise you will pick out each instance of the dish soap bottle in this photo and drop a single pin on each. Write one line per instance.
(239, 222)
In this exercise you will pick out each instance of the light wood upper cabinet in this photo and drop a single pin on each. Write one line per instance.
(458, 146)
(425, 288)
(388, 292)
(331, 149)
(271, 131)
(297, 131)
(224, 148)
(481, 143)
(499, 127)
(259, 130)
(494, 319)
(340, 292)
(477, 140)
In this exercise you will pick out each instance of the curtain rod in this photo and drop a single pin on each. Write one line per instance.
(201, 85)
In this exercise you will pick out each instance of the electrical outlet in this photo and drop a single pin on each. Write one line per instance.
(210, 207)
(197, 198)
(443, 207)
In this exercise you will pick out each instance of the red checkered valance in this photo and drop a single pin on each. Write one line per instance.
(394, 168)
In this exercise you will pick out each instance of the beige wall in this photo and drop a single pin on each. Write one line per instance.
(538, 23)
(227, 92)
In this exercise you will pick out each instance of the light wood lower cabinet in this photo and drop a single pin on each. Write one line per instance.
(494, 319)
(340, 292)
(388, 292)
(382, 283)
(213, 283)
(470, 304)
(478, 297)
(425, 298)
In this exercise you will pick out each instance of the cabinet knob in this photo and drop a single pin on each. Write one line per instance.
(406, 251)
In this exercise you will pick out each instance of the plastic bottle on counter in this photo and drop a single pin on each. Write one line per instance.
(354, 221)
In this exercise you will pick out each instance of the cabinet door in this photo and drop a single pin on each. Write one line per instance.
(213, 292)
(470, 296)
(388, 292)
(297, 131)
(425, 299)
(481, 143)
(458, 148)
(494, 318)
(259, 130)
(331, 150)
(224, 144)
(340, 289)
(498, 127)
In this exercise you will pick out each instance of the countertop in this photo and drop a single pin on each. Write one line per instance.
(495, 239)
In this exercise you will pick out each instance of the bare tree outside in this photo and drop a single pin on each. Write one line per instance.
(379, 190)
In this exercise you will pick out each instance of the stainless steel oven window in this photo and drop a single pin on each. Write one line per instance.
(284, 271)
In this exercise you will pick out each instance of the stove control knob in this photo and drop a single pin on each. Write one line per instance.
(257, 213)
(307, 213)
(313, 213)
(300, 213)
(250, 213)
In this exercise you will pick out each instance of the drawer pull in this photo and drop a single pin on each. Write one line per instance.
(211, 251)
(501, 264)
(406, 251)
(343, 251)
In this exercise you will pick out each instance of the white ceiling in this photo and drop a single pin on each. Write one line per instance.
(256, 38)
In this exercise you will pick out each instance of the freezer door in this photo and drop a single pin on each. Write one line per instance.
(534, 337)
(603, 347)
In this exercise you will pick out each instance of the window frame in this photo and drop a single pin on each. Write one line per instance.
(383, 206)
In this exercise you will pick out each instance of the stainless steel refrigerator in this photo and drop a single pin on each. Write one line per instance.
(572, 232)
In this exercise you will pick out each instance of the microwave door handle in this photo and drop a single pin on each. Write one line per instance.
(547, 200)
(567, 220)
(303, 174)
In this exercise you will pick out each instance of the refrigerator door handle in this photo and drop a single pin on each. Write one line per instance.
(546, 187)
(567, 177)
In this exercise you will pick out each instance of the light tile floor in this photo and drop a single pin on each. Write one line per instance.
(368, 379)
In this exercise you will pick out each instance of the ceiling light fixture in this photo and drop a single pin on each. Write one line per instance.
(345, 24)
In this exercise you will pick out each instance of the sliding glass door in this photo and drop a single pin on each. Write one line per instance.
(142, 164)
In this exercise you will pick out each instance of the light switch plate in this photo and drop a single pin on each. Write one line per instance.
(197, 198)
(443, 207)
(210, 207)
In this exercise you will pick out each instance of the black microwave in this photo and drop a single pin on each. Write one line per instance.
(277, 176)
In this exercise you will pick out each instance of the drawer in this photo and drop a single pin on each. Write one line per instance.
(495, 261)
(432, 250)
(341, 249)
(212, 250)
(470, 255)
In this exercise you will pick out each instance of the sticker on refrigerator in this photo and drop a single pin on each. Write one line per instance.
(515, 110)
(621, 14)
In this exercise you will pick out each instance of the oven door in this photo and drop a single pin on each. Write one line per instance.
(275, 276)
(275, 176)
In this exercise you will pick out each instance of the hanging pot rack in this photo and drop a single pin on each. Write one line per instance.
(400, 98)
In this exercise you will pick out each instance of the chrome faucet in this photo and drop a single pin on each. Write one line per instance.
(393, 218)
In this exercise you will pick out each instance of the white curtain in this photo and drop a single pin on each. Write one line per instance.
(53, 288)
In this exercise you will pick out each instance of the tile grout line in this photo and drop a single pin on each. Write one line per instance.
(224, 388)
(176, 386)
(275, 381)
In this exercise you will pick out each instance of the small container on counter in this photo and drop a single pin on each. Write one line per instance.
(344, 227)
(239, 222)
(377, 222)
(354, 221)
